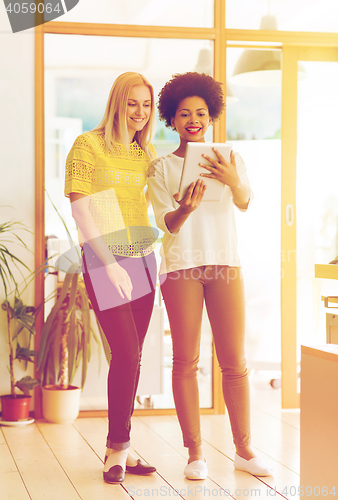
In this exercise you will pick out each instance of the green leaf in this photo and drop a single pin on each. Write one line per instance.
(24, 315)
(84, 360)
(24, 354)
(47, 327)
(26, 384)
(7, 258)
(56, 349)
(63, 222)
(72, 345)
(72, 296)
(45, 359)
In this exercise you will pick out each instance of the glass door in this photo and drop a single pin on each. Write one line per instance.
(317, 193)
(309, 202)
(253, 128)
(77, 83)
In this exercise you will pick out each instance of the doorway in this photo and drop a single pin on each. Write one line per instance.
(309, 201)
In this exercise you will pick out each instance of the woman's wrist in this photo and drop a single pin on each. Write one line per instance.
(176, 218)
(237, 186)
(183, 211)
(241, 195)
(111, 263)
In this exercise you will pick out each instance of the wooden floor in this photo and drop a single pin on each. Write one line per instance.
(64, 462)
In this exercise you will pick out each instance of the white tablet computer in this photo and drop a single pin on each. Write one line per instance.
(192, 170)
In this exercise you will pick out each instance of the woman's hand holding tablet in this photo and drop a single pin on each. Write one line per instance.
(197, 153)
(193, 196)
(221, 170)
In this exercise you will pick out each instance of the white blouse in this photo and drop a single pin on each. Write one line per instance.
(208, 236)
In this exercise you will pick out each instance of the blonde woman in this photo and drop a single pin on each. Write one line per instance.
(105, 181)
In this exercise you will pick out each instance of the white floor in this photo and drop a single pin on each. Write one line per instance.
(61, 462)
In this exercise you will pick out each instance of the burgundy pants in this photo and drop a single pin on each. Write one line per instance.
(125, 325)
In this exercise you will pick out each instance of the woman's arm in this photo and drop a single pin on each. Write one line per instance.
(84, 219)
(174, 220)
(241, 195)
(168, 217)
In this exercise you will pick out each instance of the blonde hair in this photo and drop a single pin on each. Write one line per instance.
(114, 123)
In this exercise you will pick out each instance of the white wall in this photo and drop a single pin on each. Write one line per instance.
(17, 152)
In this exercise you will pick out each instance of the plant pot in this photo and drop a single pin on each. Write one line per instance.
(14, 409)
(60, 406)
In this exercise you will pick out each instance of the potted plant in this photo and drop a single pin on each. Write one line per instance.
(65, 344)
(20, 320)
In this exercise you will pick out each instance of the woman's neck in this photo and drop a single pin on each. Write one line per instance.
(119, 139)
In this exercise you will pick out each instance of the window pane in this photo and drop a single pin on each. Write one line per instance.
(191, 13)
(291, 15)
(79, 72)
(81, 69)
(253, 127)
(317, 198)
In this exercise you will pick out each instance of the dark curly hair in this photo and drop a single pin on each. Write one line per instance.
(188, 85)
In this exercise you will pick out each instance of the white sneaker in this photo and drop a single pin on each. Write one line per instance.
(196, 470)
(255, 466)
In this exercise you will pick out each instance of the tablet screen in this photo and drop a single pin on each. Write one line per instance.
(192, 170)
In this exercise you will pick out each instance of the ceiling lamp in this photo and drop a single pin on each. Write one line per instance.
(230, 97)
(261, 67)
(205, 65)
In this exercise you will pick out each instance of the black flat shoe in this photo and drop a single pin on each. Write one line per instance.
(114, 475)
(140, 469)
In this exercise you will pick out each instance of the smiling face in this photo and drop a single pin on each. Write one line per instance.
(192, 119)
(138, 109)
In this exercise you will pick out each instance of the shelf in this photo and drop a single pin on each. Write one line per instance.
(329, 299)
(328, 271)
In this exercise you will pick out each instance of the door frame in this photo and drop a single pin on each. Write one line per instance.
(292, 54)
(294, 45)
(216, 35)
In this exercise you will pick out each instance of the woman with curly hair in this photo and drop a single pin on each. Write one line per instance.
(200, 263)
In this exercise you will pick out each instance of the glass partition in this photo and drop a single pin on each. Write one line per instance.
(317, 195)
(295, 15)
(190, 13)
(79, 72)
(253, 127)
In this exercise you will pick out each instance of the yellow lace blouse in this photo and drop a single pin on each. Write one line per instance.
(115, 181)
